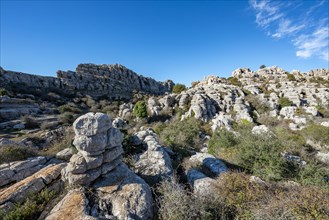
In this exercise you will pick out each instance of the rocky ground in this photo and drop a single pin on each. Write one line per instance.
(85, 146)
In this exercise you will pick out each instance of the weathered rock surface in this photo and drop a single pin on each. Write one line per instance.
(18, 170)
(117, 192)
(127, 194)
(154, 164)
(18, 192)
(13, 108)
(99, 149)
(200, 182)
(114, 81)
(209, 162)
(73, 206)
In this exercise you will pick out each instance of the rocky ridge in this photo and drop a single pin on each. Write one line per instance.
(112, 81)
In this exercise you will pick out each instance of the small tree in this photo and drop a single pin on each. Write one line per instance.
(140, 110)
(178, 88)
(262, 66)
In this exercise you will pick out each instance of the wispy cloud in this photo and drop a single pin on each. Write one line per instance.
(305, 26)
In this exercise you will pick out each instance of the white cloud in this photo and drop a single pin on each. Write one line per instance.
(286, 28)
(266, 12)
(306, 28)
(315, 44)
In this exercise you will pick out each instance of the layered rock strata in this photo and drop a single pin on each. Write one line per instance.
(99, 149)
(113, 81)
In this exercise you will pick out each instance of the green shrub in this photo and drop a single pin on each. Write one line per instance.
(313, 174)
(140, 109)
(3, 92)
(9, 153)
(260, 106)
(177, 203)
(317, 133)
(178, 88)
(284, 102)
(262, 66)
(291, 77)
(31, 208)
(182, 134)
(221, 139)
(234, 81)
(30, 122)
(261, 154)
(69, 108)
(67, 118)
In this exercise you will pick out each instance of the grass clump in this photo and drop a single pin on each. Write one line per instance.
(178, 88)
(30, 122)
(31, 208)
(284, 102)
(10, 153)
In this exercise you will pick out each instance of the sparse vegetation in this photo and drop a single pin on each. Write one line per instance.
(284, 102)
(140, 110)
(291, 77)
(31, 208)
(178, 88)
(9, 153)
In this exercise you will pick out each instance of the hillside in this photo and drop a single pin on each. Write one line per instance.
(103, 142)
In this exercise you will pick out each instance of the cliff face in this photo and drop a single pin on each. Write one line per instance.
(114, 81)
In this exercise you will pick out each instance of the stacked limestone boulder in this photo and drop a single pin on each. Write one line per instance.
(99, 149)
(114, 191)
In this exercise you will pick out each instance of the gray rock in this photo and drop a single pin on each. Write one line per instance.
(130, 197)
(201, 184)
(65, 154)
(92, 145)
(91, 124)
(211, 163)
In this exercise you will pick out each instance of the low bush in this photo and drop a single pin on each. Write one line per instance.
(67, 118)
(177, 203)
(69, 108)
(234, 81)
(182, 134)
(140, 110)
(31, 208)
(221, 139)
(284, 102)
(49, 125)
(3, 92)
(260, 106)
(65, 141)
(291, 77)
(30, 122)
(9, 153)
(317, 133)
(178, 88)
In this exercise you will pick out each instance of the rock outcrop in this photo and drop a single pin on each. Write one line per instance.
(154, 164)
(113, 81)
(12, 108)
(46, 178)
(99, 149)
(115, 192)
(19, 170)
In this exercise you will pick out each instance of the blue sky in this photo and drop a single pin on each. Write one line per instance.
(179, 40)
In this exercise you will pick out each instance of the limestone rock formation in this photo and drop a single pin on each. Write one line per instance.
(99, 149)
(115, 192)
(114, 81)
(154, 164)
(16, 171)
(44, 178)
(13, 108)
